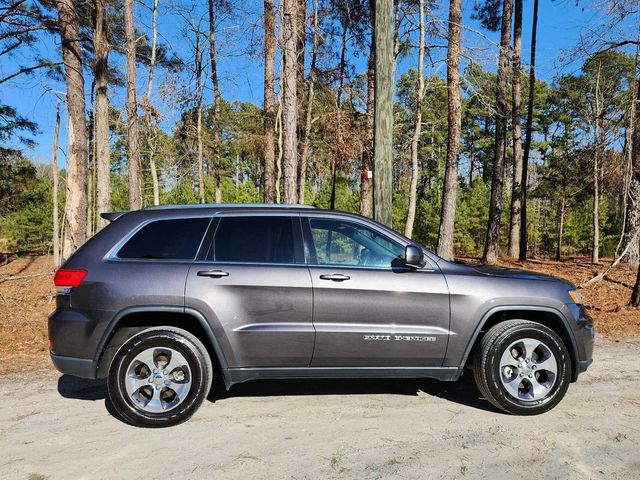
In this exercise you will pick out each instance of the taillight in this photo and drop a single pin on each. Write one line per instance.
(66, 277)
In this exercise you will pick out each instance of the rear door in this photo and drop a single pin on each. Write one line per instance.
(254, 288)
(369, 309)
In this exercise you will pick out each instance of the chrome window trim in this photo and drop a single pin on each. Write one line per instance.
(362, 267)
(249, 264)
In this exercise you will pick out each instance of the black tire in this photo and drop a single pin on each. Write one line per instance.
(487, 371)
(200, 376)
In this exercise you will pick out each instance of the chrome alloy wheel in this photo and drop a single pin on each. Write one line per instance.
(158, 379)
(528, 369)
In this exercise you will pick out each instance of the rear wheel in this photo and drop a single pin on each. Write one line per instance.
(522, 367)
(159, 377)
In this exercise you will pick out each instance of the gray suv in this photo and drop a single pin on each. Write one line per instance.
(164, 298)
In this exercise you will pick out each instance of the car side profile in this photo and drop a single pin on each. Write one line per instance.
(163, 299)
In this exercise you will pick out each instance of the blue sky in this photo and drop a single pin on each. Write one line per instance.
(559, 28)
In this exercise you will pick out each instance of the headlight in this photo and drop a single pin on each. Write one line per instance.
(576, 297)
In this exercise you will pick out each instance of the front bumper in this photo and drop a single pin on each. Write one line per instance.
(78, 367)
(584, 335)
(583, 365)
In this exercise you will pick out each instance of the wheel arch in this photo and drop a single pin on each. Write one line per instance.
(132, 320)
(547, 316)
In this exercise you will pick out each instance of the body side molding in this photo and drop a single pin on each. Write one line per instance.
(239, 375)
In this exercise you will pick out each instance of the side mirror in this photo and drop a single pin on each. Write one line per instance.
(413, 257)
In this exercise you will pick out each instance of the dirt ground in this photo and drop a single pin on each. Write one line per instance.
(54, 426)
(58, 427)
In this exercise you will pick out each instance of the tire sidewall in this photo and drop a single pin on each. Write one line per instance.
(561, 354)
(123, 358)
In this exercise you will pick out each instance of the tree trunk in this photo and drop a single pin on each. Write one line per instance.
(301, 37)
(307, 126)
(367, 155)
(415, 141)
(516, 186)
(76, 200)
(269, 101)
(632, 176)
(151, 136)
(529, 134)
(101, 75)
(450, 188)
(91, 161)
(290, 101)
(634, 188)
(341, 77)
(217, 99)
(492, 241)
(212, 57)
(133, 143)
(560, 228)
(383, 118)
(278, 181)
(595, 252)
(56, 177)
(198, 65)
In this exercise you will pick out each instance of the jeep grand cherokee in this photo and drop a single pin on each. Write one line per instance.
(164, 298)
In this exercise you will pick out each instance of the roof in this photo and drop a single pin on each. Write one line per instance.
(229, 205)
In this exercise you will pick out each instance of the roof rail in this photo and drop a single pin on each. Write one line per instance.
(229, 205)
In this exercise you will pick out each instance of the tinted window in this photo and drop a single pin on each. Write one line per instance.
(166, 240)
(255, 240)
(344, 243)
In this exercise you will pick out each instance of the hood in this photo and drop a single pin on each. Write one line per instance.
(514, 273)
(502, 272)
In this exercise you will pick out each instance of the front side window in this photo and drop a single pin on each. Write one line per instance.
(339, 242)
(260, 239)
(177, 239)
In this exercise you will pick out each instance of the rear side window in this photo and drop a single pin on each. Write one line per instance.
(166, 240)
(254, 240)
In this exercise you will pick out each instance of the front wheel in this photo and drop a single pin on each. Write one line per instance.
(159, 377)
(522, 367)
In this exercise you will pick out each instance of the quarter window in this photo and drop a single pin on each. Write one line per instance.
(262, 239)
(345, 243)
(166, 240)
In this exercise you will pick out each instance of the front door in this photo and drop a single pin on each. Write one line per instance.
(370, 309)
(255, 290)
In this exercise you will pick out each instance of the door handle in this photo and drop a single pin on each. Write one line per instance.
(213, 273)
(335, 277)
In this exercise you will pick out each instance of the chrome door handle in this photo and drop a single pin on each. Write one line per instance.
(335, 277)
(213, 273)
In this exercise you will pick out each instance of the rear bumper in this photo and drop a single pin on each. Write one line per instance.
(78, 367)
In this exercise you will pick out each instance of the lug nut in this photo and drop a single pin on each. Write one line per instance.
(533, 367)
(155, 370)
(164, 372)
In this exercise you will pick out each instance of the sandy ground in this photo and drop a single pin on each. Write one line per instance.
(54, 426)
